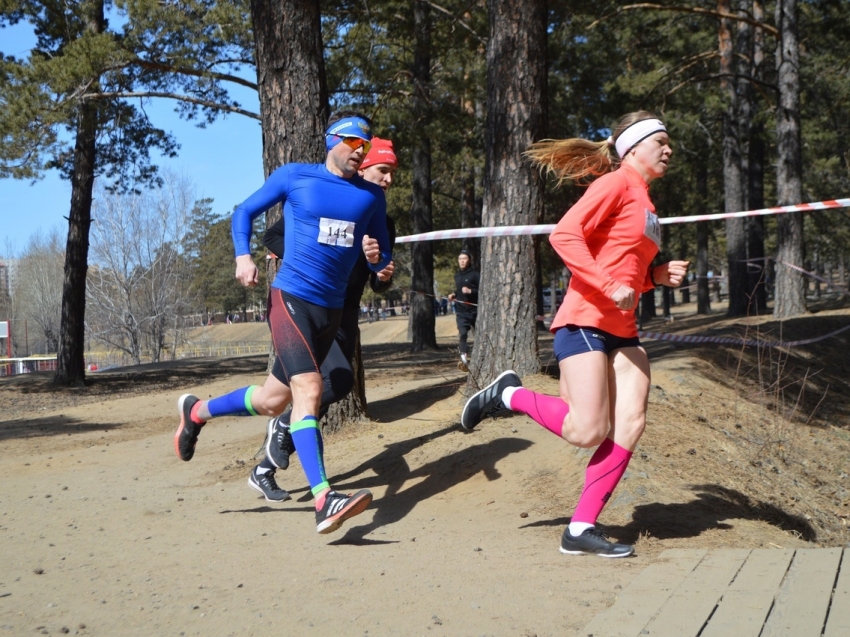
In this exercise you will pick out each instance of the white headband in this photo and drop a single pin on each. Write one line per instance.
(636, 133)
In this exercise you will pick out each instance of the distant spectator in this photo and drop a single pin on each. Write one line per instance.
(466, 304)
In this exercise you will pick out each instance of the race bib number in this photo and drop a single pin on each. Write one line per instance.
(334, 232)
(652, 228)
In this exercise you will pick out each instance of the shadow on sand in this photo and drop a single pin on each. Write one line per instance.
(413, 402)
(393, 472)
(53, 426)
(709, 510)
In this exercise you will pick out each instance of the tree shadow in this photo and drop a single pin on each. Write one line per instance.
(436, 477)
(379, 355)
(413, 402)
(136, 379)
(53, 426)
(393, 472)
(712, 506)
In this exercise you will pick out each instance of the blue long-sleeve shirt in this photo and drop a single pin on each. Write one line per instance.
(326, 217)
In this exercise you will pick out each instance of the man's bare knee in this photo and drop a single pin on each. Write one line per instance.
(306, 388)
(306, 395)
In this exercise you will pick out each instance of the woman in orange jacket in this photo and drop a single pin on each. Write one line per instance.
(608, 240)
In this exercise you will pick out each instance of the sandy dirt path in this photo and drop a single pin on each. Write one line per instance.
(103, 531)
(108, 533)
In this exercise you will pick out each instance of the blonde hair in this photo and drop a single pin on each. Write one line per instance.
(581, 160)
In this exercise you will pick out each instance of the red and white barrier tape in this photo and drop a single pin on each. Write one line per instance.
(512, 231)
(660, 336)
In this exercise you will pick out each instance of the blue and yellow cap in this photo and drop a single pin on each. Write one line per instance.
(347, 127)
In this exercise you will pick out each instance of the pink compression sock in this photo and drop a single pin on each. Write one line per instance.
(548, 411)
(604, 471)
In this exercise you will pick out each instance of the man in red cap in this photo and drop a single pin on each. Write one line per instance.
(380, 163)
(378, 167)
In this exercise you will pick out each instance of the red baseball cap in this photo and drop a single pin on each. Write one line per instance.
(381, 153)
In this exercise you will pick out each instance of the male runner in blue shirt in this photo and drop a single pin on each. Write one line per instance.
(330, 213)
(379, 167)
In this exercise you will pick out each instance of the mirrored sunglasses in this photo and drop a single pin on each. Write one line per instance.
(355, 142)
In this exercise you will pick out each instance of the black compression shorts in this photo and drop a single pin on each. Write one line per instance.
(302, 333)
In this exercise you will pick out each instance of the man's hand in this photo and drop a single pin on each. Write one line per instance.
(624, 297)
(371, 249)
(466, 290)
(246, 272)
(670, 274)
(387, 273)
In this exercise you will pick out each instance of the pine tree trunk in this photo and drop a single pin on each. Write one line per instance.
(70, 363)
(291, 83)
(538, 286)
(790, 296)
(703, 293)
(422, 325)
(755, 225)
(468, 217)
(516, 116)
(646, 311)
(682, 252)
(733, 184)
(755, 174)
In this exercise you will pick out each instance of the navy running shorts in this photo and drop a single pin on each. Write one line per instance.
(573, 339)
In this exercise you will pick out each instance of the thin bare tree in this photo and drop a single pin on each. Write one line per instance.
(138, 284)
(37, 289)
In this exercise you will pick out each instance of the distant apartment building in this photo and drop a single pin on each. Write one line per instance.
(7, 275)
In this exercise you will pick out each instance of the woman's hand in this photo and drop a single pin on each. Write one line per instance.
(670, 274)
(624, 297)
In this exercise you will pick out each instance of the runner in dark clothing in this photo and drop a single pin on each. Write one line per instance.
(466, 304)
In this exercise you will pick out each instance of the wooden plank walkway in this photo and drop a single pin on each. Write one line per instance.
(734, 593)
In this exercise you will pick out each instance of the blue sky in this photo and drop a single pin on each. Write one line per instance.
(224, 161)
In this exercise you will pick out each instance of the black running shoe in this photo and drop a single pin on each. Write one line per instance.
(488, 400)
(279, 445)
(593, 542)
(265, 484)
(187, 433)
(339, 507)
